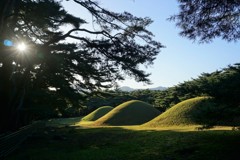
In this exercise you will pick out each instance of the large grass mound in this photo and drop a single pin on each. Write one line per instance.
(132, 112)
(97, 113)
(195, 111)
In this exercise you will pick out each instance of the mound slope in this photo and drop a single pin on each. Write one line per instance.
(199, 110)
(132, 112)
(97, 113)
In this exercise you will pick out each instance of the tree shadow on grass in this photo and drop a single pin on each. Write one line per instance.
(119, 143)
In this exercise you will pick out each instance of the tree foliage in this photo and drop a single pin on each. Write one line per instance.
(205, 20)
(93, 59)
(223, 85)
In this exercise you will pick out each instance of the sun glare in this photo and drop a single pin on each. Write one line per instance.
(21, 47)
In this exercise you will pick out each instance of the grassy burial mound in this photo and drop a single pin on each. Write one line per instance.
(199, 110)
(132, 112)
(97, 113)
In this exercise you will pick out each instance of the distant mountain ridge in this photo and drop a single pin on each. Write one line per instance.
(129, 89)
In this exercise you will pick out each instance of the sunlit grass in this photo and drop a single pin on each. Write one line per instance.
(90, 124)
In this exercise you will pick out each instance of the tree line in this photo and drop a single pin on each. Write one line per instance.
(223, 85)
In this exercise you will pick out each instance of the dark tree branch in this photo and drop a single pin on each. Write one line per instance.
(206, 20)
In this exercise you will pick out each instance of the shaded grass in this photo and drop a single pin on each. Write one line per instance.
(136, 142)
(132, 112)
(60, 122)
(97, 113)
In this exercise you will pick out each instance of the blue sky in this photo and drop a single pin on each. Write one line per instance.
(182, 59)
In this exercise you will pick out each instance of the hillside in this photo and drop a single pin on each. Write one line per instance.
(132, 112)
(97, 113)
(200, 110)
(129, 89)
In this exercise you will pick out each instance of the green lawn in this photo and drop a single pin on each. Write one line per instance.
(59, 142)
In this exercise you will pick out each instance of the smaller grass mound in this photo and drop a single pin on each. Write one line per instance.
(195, 111)
(132, 112)
(97, 113)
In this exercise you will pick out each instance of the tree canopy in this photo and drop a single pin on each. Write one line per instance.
(205, 20)
(66, 54)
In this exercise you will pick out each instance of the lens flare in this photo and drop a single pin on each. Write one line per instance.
(8, 43)
(21, 47)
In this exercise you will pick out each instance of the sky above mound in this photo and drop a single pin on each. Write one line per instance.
(182, 59)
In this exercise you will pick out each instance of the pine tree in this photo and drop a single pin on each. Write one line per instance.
(205, 20)
(117, 46)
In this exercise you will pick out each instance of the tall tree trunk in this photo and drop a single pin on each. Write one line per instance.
(6, 67)
(5, 89)
(12, 93)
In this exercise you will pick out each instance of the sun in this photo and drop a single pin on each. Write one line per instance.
(22, 47)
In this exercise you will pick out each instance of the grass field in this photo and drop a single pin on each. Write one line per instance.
(61, 141)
